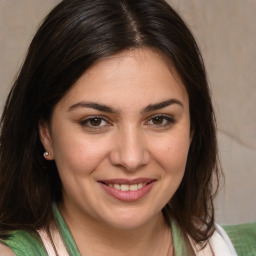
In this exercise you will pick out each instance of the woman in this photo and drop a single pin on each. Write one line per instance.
(108, 143)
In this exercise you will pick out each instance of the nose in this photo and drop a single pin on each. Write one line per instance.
(129, 150)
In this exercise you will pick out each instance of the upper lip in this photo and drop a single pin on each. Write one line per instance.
(127, 181)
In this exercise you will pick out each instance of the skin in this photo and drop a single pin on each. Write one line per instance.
(5, 251)
(134, 141)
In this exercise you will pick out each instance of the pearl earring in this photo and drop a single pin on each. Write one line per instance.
(46, 153)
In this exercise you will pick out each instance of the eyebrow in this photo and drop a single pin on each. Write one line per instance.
(93, 105)
(107, 109)
(160, 105)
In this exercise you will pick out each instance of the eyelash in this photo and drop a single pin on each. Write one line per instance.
(86, 122)
(169, 120)
(166, 119)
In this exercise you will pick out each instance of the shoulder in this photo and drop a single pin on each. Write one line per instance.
(243, 237)
(218, 244)
(23, 243)
(6, 251)
(221, 243)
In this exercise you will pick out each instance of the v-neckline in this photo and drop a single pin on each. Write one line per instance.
(178, 242)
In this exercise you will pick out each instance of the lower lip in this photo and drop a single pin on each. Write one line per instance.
(128, 196)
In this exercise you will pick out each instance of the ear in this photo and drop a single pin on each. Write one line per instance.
(192, 132)
(45, 137)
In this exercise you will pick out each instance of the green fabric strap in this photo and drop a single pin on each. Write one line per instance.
(178, 243)
(24, 243)
(177, 239)
(243, 237)
(65, 233)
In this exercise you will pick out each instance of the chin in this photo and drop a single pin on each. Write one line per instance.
(129, 220)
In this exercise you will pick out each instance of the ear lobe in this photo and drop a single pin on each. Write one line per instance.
(46, 140)
(192, 132)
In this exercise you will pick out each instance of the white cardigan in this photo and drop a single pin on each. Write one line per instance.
(219, 244)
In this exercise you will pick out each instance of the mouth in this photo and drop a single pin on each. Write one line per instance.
(128, 190)
(126, 187)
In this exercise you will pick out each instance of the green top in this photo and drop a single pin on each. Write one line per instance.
(24, 243)
(65, 233)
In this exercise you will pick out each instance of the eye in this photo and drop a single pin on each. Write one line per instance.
(161, 120)
(158, 120)
(94, 122)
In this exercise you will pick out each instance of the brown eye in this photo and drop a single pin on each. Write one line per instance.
(161, 121)
(95, 121)
(158, 120)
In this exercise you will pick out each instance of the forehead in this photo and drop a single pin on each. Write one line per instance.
(136, 75)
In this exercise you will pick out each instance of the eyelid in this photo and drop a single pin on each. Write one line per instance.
(88, 118)
(166, 117)
(169, 118)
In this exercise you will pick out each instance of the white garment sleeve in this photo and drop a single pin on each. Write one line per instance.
(220, 240)
(219, 245)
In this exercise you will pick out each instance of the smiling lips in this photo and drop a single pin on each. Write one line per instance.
(125, 187)
(128, 190)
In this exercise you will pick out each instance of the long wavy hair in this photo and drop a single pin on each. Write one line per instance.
(75, 35)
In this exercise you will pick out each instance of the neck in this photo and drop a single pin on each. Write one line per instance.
(94, 238)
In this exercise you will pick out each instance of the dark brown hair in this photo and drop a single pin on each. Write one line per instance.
(75, 35)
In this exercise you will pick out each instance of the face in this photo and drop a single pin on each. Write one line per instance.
(120, 138)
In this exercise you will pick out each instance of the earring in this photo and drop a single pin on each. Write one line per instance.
(46, 153)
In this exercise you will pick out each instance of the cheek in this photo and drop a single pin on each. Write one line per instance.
(172, 153)
(78, 155)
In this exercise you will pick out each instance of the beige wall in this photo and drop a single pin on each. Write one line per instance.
(226, 32)
(19, 20)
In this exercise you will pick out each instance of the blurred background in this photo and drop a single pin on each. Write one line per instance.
(226, 34)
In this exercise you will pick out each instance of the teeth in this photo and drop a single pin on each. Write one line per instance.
(126, 187)
(117, 186)
(133, 187)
